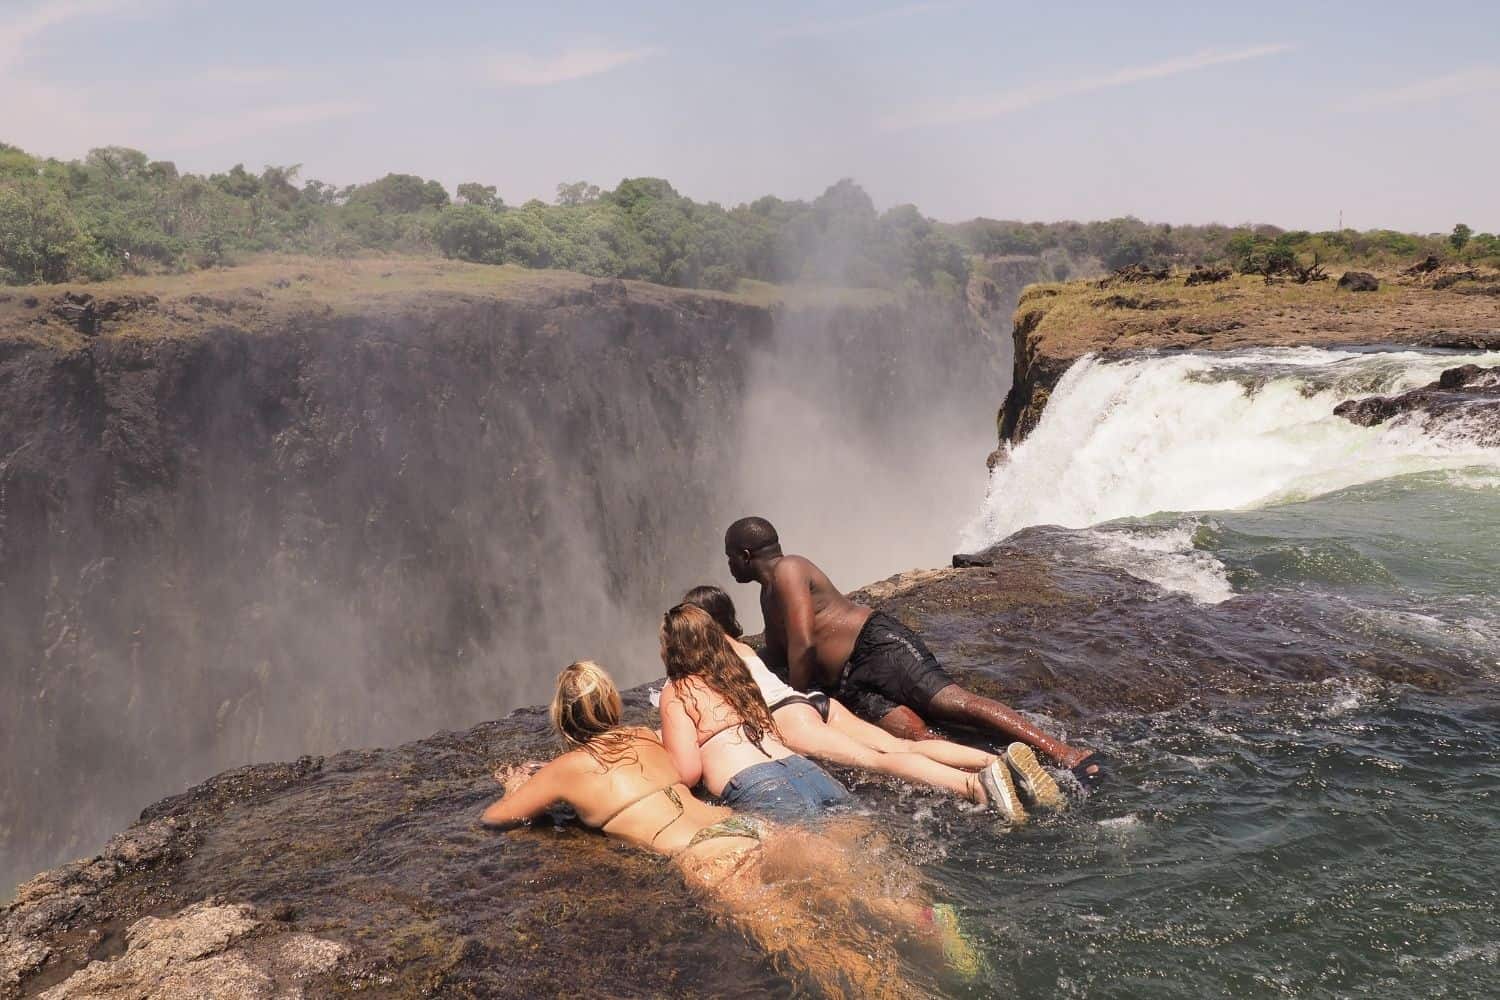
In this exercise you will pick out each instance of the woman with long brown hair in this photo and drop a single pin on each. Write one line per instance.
(719, 731)
(799, 895)
(819, 726)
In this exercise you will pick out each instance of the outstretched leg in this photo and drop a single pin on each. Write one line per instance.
(905, 724)
(956, 704)
(802, 914)
(807, 734)
(943, 751)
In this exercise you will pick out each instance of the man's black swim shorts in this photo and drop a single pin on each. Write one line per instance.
(890, 666)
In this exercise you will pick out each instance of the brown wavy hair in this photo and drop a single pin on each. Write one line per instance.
(693, 645)
(586, 713)
(719, 605)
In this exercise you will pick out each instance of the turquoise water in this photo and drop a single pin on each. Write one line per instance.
(1348, 848)
(1330, 837)
(1331, 827)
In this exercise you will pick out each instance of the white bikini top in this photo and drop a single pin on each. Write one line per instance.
(772, 688)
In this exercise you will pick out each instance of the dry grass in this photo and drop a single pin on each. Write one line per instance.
(263, 292)
(1078, 316)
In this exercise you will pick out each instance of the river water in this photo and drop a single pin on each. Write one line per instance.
(1282, 628)
(1329, 827)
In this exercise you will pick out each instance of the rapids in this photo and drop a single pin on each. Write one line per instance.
(1311, 810)
(1194, 432)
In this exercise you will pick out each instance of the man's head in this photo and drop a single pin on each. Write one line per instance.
(749, 539)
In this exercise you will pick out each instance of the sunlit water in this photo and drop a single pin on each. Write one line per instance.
(1328, 837)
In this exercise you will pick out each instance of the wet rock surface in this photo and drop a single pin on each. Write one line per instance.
(365, 872)
(368, 872)
(1465, 399)
(206, 950)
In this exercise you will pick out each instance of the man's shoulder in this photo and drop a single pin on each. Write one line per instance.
(795, 566)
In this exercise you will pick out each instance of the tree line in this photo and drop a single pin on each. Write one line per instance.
(118, 211)
(1117, 243)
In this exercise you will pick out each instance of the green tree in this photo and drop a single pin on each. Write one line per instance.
(479, 195)
(40, 240)
(470, 232)
(1460, 236)
(396, 194)
(577, 193)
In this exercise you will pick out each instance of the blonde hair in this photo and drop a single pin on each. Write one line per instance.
(586, 712)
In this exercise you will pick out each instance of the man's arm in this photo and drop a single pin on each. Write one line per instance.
(794, 597)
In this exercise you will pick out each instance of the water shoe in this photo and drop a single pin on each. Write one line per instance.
(1039, 787)
(1001, 789)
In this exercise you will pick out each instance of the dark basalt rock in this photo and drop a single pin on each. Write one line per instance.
(1359, 281)
(1469, 394)
(85, 314)
(372, 863)
(1201, 275)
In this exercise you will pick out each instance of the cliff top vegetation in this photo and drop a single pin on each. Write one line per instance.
(268, 289)
(1081, 248)
(1430, 303)
(118, 212)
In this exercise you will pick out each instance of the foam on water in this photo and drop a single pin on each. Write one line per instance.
(1197, 432)
(1166, 557)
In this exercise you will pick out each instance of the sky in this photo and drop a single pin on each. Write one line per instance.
(1289, 113)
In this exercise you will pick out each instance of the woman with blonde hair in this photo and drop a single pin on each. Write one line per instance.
(819, 726)
(796, 893)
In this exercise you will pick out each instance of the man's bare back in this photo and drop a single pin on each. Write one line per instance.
(805, 612)
(811, 627)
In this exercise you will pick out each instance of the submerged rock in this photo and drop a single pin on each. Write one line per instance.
(1464, 400)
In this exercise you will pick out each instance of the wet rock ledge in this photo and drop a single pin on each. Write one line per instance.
(366, 872)
(1466, 399)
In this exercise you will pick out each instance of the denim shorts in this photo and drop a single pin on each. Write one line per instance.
(788, 789)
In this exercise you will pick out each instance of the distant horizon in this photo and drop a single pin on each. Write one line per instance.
(1276, 113)
(303, 176)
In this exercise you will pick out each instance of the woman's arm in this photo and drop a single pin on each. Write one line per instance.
(527, 797)
(679, 734)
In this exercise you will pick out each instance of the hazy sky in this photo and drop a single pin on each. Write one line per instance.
(1196, 112)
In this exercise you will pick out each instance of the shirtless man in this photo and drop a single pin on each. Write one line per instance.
(866, 659)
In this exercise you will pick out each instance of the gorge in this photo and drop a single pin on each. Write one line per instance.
(1297, 686)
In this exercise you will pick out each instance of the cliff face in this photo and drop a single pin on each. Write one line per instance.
(1056, 324)
(299, 510)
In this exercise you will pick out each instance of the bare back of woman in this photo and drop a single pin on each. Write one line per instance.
(718, 739)
(718, 729)
(798, 895)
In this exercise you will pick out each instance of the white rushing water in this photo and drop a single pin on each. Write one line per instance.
(1210, 432)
